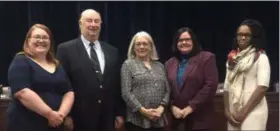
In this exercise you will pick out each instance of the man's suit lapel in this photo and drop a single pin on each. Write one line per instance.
(84, 57)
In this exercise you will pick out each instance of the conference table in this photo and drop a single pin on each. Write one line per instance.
(220, 120)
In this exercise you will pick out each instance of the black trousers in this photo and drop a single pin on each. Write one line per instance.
(131, 127)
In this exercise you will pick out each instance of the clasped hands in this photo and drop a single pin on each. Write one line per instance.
(152, 114)
(237, 118)
(181, 114)
(55, 118)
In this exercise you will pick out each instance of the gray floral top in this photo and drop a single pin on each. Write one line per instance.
(143, 87)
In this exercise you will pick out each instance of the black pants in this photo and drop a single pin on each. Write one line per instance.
(132, 127)
(100, 124)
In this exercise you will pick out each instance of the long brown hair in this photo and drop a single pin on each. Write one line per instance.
(50, 55)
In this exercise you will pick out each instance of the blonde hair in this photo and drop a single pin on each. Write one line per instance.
(50, 55)
(131, 53)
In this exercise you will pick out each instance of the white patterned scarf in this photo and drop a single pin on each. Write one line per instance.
(243, 61)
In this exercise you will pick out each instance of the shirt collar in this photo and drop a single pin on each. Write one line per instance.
(86, 42)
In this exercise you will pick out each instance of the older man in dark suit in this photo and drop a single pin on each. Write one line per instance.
(93, 68)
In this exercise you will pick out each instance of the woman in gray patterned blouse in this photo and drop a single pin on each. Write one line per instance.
(145, 88)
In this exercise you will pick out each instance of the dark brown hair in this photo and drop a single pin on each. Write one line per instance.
(196, 46)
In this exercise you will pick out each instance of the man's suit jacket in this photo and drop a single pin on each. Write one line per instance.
(96, 103)
(200, 81)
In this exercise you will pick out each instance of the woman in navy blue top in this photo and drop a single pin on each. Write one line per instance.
(42, 94)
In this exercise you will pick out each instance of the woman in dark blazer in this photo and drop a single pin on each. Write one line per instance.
(193, 79)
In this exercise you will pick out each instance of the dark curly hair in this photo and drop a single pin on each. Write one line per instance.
(258, 39)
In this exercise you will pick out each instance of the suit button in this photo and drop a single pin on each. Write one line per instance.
(99, 101)
(101, 86)
(96, 71)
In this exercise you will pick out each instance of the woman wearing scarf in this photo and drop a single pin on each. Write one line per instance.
(247, 79)
(193, 79)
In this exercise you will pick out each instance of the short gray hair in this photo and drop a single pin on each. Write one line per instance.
(131, 54)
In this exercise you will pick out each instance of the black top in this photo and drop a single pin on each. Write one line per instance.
(25, 73)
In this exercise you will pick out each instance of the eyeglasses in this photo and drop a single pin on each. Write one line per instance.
(138, 44)
(185, 39)
(38, 37)
(247, 35)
